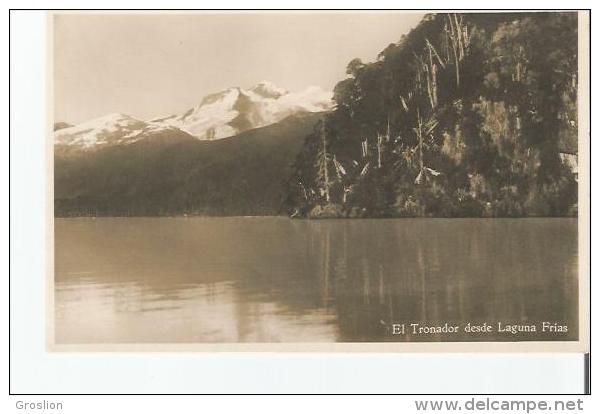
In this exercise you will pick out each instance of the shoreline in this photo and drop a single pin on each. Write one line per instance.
(324, 218)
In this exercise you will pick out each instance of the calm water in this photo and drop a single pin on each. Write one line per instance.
(174, 280)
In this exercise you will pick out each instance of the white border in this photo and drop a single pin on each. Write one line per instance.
(35, 370)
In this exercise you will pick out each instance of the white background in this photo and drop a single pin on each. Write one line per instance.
(33, 370)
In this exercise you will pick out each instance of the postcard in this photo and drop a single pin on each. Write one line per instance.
(366, 181)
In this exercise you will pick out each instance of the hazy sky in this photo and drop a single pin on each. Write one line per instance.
(154, 65)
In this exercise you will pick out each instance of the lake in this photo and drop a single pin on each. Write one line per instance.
(273, 279)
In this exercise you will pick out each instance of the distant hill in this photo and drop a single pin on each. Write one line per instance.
(169, 172)
(111, 129)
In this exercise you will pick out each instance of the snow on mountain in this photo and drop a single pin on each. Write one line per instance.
(219, 115)
(107, 130)
(235, 110)
(268, 90)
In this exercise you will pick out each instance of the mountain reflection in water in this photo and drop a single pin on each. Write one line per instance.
(272, 279)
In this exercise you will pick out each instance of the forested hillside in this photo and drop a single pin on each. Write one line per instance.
(467, 115)
(172, 173)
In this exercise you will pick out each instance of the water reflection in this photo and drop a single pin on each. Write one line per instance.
(169, 280)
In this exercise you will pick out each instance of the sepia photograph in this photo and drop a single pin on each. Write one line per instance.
(318, 180)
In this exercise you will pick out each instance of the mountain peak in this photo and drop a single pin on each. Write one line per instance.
(114, 128)
(229, 93)
(268, 89)
(234, 110)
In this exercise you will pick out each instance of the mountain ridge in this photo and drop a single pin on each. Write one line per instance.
(164, 175)
(219, 115)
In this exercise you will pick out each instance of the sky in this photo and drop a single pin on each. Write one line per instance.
(153, 65)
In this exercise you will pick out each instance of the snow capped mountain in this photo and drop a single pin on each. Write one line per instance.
(219, 115)
(268, 90)
(235, 110)
(111, 129)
